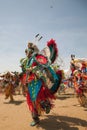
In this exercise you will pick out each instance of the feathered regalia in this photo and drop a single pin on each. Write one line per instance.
(42, 80)
(53, 50)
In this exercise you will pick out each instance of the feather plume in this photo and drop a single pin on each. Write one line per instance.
(53, 49)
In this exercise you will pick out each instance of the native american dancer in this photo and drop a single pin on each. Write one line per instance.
(8, 86)
(42, 80)
(79, 79)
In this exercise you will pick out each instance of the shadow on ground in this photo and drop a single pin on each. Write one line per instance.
(61, 123)
(64, 96)
(15, 102)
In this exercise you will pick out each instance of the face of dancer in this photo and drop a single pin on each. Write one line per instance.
(29, 50)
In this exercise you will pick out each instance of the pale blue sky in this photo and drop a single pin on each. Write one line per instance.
(20, 20)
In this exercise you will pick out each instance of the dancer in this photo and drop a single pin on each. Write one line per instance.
(8, 83)
(38, 69)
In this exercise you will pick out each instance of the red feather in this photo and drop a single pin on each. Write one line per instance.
(53, 45)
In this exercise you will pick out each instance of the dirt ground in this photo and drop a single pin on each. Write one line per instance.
(66, 115)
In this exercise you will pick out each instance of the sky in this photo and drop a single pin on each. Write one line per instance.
(63, 20)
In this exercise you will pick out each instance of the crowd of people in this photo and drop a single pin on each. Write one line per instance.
(40, 79)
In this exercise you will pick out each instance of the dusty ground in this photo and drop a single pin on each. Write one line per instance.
(66, 115)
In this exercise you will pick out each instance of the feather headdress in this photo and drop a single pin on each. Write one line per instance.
(53, 50)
